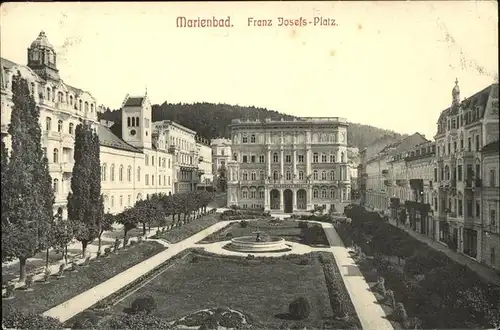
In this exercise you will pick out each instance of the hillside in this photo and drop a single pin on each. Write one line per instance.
(212, 120)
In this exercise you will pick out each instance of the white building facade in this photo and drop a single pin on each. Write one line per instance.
(205, 164)
(289, 166)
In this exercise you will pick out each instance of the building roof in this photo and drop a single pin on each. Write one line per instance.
(478, 99)
(41, 41)
(108, 139)
(134, 102)
(493, 147)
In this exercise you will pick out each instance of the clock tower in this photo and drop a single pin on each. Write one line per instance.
(136, 121)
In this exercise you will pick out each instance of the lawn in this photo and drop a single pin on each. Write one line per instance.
(48, 295)
(286, 229)
(178, 234)
(261, 289)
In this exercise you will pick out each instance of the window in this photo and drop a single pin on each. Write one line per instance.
(454, 146)
(153, 179)
(112, 173)
(492, 178)
(342, 157)
(152, 160)
(460, 208)
(120, 173)
(288, 158)
(147, 179)
(478, 208)
(261, 159)
(275, 157)
(245, 176)
(261, 175)
(245, 139)
(301, 158)
(315, 175)
(288, 175)
(80, 104)
(324, 194)
(146, 160)
(478, 171)
(261, 194)
(55, 185)
(55, 156)
(459, 172)
(235, 156)
(252, 158)
(276, 175)
(315, 193)
(469, 144)
(245, 159)
(86, 106)
(129, 173)
(462, 143)
(493, 217)
(315, 158)
(138, 174)
(332, 175)
(332, 158)
(323, 158)
(121, 200)
(244, 194)
(252, 138)
(332, 193)
(70, 130)
(59, 126)
(323, 175)
(477, 143)
(253, 176)
(435, 174)
(253, 194)
(301, 175)
(222, 152)
(48, 123)
(103, 172)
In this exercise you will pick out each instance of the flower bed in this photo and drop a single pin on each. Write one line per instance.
(47, 295)
(438, 291)
(177, 234)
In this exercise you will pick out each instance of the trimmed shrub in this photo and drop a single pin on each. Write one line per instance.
(299, 308)
(16, 320)
(302, 224)
(143, 305)
(243, 224)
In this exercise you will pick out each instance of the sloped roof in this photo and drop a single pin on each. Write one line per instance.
(108, 139)
(478, 99)
(493, 147)
(134, 102)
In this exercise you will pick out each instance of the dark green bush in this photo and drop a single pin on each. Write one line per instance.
(143, 305)
(302, 224)
(243, 224)
(299, 308)
(16, 320)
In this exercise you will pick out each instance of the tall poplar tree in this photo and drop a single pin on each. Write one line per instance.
(28, 190)
(85, 198)
(6, 256)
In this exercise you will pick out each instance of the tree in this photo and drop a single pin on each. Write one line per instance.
(63, 232)
(85, 199)
(28, 191)
(222, 178)
(6, 255)
(129, 219)
(105, 225)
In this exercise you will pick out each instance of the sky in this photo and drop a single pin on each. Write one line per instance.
(387, 64)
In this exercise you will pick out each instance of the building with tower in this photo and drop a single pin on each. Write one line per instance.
(138, 157)
(289, 166)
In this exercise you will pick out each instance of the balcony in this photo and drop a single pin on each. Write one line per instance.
(51, 135)
(64, 107)
(66, 167)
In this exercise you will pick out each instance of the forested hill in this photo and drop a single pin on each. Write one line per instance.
(211, 120)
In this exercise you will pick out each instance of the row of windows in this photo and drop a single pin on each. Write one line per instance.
(182, 144)
(66, 98)
(442, 150)
(288, 175)
(165, 182)
(163, 161)
(48, 126)
(317, 193)
(288, 158)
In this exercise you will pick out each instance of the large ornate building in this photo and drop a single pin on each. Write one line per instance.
(289, 166)
(138, 157)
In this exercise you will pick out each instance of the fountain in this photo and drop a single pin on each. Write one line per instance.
(258, 243)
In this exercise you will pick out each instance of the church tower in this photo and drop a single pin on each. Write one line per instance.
(136, 121)
(42, 58)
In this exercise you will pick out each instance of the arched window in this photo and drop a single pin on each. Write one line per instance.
(86, 106)
(332, 175)
(253, 193)
(315, 193)
(55, 185)
(315, 175)
(112, 174)
(323, 158)
(48, 93)
(301, 175)
(112, 201)
(59, 126)
(324, 193)
(71, 127)
(245, 176)
(128, 121)
(103, 172)
(147, 179)
(129, 173)
(332, 158)
(342, 157)
(80, 103)
(253, 176)
(120, 173)
(244, 193)
(261, 193)
(121, 200)
(235, 156)
(332, 193)
(91, 107)
(71, 99)
(48, 123)
(276, 175)
(138, 174)
(56, 155)
(288, 175)
(323, 175)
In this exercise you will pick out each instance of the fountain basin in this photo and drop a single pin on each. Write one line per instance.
(249, 244)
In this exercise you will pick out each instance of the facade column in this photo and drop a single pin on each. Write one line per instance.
(268, 162)
(436, 228)
(309, 198)
(294, 155)
(282, 163)
(281, 200)
(479, 243)
(267, 207)
(294, 199)
(308, 160)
